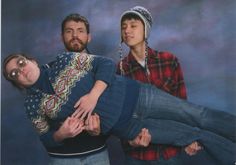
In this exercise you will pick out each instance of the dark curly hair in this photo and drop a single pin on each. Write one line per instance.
(6, 61)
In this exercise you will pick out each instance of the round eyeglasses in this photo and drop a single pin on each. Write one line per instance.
(14, 73)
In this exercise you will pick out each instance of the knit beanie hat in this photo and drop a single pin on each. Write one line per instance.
(146, 17)
(144, 14)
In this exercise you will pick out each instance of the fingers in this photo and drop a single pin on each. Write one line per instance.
(193, 148)
(92, 124)
(75, 114)
(67, 121)
(92, 119)
(74, 126)
(80, 127)
(74, 123)
(142, 140)
(83, 114)
(77, 104)
(79, 114)
(90, 114)
(84, 106)
(145, 138)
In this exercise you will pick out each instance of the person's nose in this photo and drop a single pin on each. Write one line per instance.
(74, 35)
(127, 30)
(22, 71)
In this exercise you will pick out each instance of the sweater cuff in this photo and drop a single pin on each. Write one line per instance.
(49, 141)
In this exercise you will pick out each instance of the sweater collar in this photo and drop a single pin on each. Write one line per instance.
(43, 83)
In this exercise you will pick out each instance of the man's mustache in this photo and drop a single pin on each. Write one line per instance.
(77, 39)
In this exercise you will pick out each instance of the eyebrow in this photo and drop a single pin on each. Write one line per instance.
(130, 20)
(80, 28)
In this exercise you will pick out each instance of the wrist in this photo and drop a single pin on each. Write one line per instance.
(131, 143)
(94, 95)
(57, 136)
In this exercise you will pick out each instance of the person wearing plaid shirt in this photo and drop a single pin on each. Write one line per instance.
(161, 69)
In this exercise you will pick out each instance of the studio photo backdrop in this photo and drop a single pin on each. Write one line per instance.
(201, 33)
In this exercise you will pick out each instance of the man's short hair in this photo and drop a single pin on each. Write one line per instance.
(77, 18)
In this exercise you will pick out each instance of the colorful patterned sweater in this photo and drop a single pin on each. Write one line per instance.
(51, 99)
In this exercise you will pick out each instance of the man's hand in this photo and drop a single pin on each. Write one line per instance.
(70, 128)
(84, 106)
(193, 148)
(92, 125)
(142, 140)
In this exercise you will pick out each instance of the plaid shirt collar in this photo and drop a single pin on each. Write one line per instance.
(152, 54)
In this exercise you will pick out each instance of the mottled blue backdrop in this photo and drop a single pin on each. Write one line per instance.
(201, 33)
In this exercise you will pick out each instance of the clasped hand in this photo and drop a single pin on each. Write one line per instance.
(144, 138)
(72, 126)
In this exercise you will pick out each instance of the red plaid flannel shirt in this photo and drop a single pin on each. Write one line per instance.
(165, 74)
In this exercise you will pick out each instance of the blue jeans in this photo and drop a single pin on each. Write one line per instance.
(100, 158)
(174, 121)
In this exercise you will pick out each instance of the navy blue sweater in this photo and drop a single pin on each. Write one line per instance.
(52, 98)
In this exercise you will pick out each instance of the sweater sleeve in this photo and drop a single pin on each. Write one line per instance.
(104, 69)
(40, 123)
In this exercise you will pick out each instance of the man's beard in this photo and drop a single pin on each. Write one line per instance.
(77, 47)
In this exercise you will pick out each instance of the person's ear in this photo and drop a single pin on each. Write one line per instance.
(89, 37)
(62, 38)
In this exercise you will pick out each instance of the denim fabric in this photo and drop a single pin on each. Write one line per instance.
(100, 158)
(174, 121)
(157, 104)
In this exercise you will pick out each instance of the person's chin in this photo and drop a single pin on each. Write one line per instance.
(128, 42)
(77, 49)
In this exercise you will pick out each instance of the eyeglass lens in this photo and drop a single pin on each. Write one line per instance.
(21, 62)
